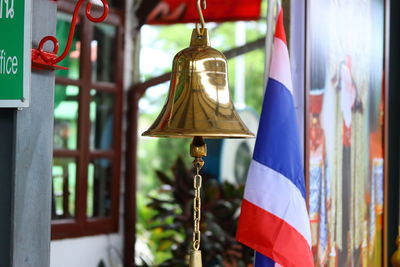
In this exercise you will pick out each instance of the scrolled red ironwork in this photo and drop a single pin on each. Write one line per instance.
(47, 60)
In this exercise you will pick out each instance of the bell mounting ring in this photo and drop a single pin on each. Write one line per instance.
(43, 60)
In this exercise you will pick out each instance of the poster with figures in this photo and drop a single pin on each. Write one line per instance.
(345, 131)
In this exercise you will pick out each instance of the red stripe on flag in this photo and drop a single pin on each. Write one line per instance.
(273, 237)
(280, 29)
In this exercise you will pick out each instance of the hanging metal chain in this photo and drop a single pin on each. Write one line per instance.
(197, 208)
(198, 150)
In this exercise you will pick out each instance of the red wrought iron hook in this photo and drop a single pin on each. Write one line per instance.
(102, 17)
(51, 58)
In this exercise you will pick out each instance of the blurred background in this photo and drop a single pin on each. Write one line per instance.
(89, 191)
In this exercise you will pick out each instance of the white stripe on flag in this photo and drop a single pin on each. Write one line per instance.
(276, 194)
(280, 64)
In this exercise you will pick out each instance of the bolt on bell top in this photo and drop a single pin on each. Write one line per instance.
(199, 101)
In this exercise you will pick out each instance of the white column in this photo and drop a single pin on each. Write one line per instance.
(240, 72)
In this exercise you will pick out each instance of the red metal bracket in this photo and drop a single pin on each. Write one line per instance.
(47, 60)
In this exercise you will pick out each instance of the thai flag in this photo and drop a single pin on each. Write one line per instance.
(274, 219)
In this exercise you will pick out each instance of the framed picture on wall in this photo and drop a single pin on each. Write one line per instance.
(345, 117)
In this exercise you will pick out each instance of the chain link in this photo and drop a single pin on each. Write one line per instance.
(196, 209)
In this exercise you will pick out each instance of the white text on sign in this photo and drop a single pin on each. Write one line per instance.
(7, 9)
(8, 64)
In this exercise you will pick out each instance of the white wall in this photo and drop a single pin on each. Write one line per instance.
(297, 58)
(87, 251)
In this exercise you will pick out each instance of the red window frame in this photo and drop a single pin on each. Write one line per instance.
(81, 225)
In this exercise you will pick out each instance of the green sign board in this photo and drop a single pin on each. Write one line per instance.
(15, 53)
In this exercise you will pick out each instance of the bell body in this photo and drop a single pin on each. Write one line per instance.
(199, 102)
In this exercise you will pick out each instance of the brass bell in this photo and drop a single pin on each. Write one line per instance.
(199, 105)
(199, 102)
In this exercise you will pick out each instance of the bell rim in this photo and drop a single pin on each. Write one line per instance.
(204, 134)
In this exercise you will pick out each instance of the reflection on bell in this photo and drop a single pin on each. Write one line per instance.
(199, 102)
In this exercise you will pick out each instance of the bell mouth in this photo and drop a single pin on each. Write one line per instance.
(205, 134)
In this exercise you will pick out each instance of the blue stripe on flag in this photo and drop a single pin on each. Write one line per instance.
(277, 145)
(263, 261)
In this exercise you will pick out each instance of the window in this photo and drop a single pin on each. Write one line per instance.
(87, 125)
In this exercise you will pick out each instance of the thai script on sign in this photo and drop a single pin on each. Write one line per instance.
(6, 9)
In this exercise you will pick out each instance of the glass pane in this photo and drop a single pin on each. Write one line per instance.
(64, 188)
(99, 188)
(101, 118)
(104, 53)
(66, 117)
(72, 59)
